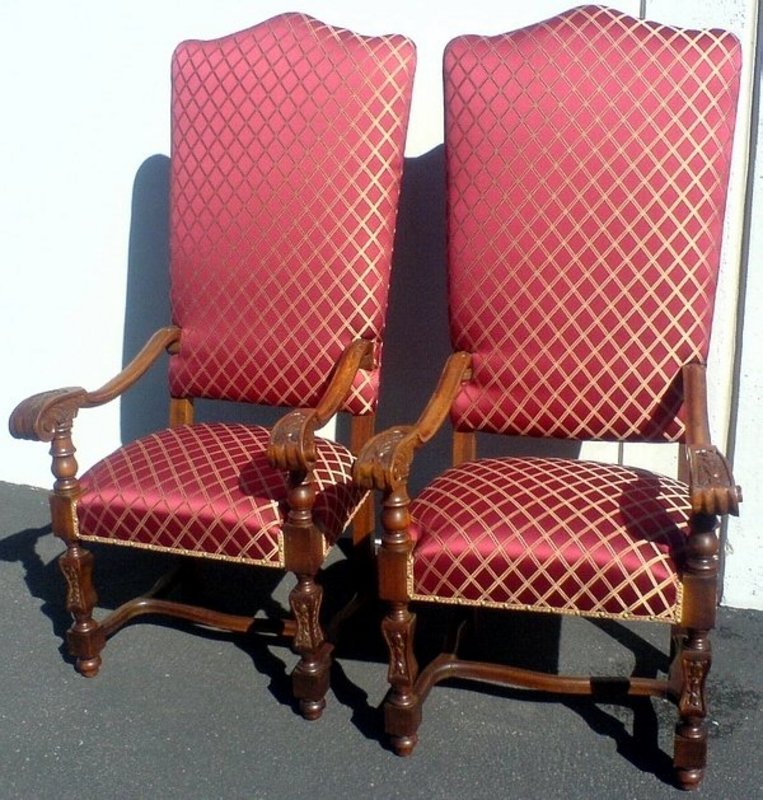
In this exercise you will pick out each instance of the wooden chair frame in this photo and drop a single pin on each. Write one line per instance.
(385, 464)
(49, 417)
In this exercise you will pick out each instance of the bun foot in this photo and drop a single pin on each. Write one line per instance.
(403, 745)
(311, 709)
(689, 779)
(88, 667)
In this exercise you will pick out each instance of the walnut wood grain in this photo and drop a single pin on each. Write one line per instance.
(41, 415)
(385, 462)
(694, 378)
(292, 438)
(448, 665)
(162, 340)
(712, 487)
(292, 448)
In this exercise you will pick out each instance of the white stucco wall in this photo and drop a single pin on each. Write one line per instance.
(85, 87)
(744, 566)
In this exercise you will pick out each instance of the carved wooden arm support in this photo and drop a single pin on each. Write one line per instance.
(385, 461)
(292, 438)
(712, 486)
(38, 417)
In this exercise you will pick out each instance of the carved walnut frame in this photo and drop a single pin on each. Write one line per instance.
(49, 417)
(384, 464)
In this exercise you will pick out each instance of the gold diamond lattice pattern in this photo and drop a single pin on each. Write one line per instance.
(548, 534)
(287, 153)
(588, 161)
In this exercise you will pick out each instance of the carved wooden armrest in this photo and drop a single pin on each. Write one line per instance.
(712, 487)
(38, 417)
(292, 438)
(385, 461)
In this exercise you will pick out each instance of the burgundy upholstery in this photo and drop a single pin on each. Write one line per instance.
(587, 165)
(287, 157)
(551, 535)
(587, 159)
(208, 490)
(287, 153)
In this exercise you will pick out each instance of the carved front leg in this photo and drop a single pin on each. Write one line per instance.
(690, 746)
(694, 659)
(303, 555)
(402, 709)
(310, 679)
(85, 638)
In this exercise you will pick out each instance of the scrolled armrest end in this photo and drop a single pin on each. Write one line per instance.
(713, 488)
(384, 462)
(39, 416)
(292, 441)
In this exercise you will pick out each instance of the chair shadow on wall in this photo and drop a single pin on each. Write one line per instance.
(416, 346)
(144, 408)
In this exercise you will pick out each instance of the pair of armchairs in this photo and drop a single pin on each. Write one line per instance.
(587, 164)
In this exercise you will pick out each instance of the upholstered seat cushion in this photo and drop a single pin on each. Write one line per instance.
(551, 534)
(207, 490)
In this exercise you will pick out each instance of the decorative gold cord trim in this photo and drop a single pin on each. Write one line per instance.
(570, 612)
(260, 562)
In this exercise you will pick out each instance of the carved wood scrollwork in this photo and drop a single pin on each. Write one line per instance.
(71, 573)
(306, 609)
(398, 644)
(692, 702)
(292, 440)
(398, 634)
(714, 490)
(385, 461)
(43, 415)
(76, 564)
(39, 417)
(291, 445)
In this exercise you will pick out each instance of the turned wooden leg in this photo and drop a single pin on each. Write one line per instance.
(303, 555)
(675, 672)
(402, 708)
(85, 638)
(677, 638)
(690, 745)
(693, 659)
(310, 678)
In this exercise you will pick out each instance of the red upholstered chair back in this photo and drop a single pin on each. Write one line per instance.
(287, 154)
(588, 159)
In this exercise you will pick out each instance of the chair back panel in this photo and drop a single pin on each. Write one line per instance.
(588, 160)
(287, 155)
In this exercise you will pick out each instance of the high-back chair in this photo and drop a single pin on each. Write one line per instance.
(587, 165)
(287, 156)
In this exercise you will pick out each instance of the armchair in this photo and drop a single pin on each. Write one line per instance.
(287, 156)
(587, 163)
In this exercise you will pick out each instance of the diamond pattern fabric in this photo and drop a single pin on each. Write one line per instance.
(587, 160)
(208, 490)
(551, 535)
(287, 155)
